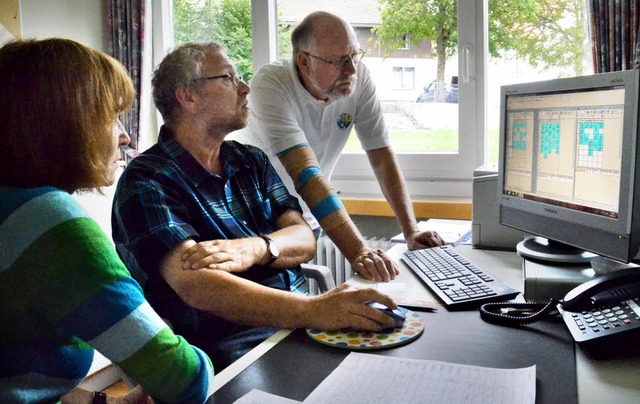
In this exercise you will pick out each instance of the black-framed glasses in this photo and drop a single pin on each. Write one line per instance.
(340, 62)
(231, 78)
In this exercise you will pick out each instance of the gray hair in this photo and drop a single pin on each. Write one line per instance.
(181, 68)
(302, 37)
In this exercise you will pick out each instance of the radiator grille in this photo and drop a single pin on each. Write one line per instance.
(330, 256)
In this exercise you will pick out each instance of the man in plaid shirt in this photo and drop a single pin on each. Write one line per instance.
(209, 230)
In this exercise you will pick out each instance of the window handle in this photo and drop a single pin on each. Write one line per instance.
(465, 51)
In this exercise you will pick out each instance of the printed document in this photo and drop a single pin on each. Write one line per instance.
(376, 379)
(368, 379)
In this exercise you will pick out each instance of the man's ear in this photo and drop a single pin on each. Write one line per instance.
(303, 63)
(185, 98)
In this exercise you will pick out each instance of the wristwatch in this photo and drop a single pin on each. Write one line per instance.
(272, 247)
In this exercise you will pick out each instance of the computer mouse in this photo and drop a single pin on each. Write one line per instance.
(397, 315)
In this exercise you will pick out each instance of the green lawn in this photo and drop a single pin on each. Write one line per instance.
(427, 140)
(415, 139)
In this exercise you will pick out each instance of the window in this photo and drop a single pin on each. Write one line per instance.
(407, 42)
(227, 22)
(441, 103)
(424, 135)
(403, 78)
(563, 35)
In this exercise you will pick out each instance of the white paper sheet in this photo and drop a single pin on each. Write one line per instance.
(260, 397)
(369, 379)
(392, 288)
(452, 231)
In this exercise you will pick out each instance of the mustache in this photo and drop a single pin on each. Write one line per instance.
(347, 80)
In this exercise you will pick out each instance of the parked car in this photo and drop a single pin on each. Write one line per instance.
(452, 94)
(450, 91)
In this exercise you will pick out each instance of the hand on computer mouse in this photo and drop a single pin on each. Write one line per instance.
(344, 308)
(397, 314)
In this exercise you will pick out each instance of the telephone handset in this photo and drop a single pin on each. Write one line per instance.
(614, 285)
(604, 307)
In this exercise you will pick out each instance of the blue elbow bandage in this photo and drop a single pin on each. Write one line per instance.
(327, 206)
(313, 187)
(308, 173)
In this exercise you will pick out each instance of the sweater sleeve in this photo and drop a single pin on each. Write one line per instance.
(84, 291)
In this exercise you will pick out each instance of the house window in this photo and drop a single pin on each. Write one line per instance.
(403, 78)
(407, 43)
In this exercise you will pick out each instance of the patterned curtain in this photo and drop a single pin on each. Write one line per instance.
(125, 39)
(614, 31)
(636, 60)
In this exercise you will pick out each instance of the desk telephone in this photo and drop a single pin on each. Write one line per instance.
(605, 308)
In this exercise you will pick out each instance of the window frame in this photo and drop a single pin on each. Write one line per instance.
(437, 175)
(429, 175)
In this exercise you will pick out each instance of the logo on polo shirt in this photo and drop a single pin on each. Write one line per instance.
(344, 120)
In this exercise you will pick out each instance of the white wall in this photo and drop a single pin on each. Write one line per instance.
(80, 20)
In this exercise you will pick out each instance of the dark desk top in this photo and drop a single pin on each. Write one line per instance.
(297, 365)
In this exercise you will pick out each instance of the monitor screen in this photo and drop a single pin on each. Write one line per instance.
(567, 168)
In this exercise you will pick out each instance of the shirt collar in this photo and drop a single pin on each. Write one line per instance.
(232, 159)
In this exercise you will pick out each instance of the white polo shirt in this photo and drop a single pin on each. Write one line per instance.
(284, 114)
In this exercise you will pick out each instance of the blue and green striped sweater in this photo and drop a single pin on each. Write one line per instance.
(63, 293)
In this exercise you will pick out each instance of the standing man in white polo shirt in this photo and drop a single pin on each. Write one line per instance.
(302, 114)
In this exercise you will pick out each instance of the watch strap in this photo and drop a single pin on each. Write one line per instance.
(99, 398)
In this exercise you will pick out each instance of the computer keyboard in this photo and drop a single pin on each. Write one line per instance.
(457, 281)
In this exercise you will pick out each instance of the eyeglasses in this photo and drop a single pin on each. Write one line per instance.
(230, 78)
(340, 62)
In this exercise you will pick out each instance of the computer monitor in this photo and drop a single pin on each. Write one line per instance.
(568, 169)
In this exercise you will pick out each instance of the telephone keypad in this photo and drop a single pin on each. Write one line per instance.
(603, 321)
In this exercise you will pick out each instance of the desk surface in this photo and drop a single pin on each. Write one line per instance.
(616, 380)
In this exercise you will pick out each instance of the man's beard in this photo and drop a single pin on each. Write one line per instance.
(333, 93)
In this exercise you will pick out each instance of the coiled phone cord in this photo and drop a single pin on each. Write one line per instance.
(506, 313)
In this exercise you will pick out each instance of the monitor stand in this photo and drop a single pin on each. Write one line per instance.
(542, 249)
(552, 269)
(603, 265)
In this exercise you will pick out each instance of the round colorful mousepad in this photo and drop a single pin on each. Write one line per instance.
(412, 328)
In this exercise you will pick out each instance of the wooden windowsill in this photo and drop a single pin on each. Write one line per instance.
(424, 209)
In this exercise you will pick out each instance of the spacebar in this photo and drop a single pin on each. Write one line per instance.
(453, 295)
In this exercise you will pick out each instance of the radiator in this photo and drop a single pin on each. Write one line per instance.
(330, 256)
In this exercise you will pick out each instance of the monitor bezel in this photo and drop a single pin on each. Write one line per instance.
(547, 215)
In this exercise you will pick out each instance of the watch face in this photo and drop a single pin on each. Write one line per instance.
(272, 247)
(275, 253)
